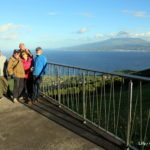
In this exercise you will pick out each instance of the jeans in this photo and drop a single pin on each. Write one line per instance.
(18, 87)
(36, 87)
(29, 87)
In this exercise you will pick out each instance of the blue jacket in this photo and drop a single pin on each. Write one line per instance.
(40, 65)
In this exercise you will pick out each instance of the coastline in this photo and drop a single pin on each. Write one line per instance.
(103, 50)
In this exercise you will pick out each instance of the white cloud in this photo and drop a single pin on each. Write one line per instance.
(124, 34)
(87, 14)
(139, 14)
(10, 26)
(98, 35)
(9, 36)
(145, 35)
(110, 35)
(54, 13)
(120, 34)
(82, 30)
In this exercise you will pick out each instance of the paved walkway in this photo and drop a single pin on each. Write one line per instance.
(22, 128)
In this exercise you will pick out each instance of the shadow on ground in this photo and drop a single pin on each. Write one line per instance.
(70, 121)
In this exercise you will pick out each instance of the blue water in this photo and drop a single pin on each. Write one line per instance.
(104, 61)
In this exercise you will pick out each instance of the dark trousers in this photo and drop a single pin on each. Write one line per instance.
(28, 87)
(18, 87)
(36, 87)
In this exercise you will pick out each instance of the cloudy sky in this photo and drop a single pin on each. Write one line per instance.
(60, 23)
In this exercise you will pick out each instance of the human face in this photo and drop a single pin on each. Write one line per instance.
(24, 56)
(22, 46)
(16, 55)
(39, 52)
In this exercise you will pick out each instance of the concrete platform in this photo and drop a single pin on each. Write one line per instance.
(22, 128)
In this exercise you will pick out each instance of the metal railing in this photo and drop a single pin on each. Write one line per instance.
(117, 103)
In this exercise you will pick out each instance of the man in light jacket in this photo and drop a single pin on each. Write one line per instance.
(3, 81)
(3, 63)
(39, 69)
(16, 70)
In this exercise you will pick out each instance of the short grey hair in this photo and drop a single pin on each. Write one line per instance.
(21, 44)
(38, 48)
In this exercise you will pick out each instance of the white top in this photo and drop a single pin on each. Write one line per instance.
(2, 62)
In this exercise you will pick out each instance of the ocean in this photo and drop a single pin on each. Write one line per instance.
(102, 61)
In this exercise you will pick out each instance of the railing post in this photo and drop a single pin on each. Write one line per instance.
(58, 86)
(83, 96)
(129, 113)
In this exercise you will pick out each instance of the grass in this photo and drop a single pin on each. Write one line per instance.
(102, 103)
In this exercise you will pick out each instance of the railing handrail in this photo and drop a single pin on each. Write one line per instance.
(104, 72)
(112, 101)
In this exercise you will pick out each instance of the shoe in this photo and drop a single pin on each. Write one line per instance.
(38, 99)
(29, 102)
(35, 101)
(15, 100)
(21, 98)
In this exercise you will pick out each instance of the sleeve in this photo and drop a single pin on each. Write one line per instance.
(45, 66)
(32, 62)
(5, 68)
(30, 54)
(10, 67)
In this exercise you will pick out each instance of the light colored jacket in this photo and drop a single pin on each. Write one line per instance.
(2, 65)
(15, 67)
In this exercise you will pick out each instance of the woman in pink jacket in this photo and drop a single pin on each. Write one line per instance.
(27, 63)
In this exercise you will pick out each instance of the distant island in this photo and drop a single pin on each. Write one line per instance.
(113, 44)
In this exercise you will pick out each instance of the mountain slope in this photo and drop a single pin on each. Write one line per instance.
(114, 44)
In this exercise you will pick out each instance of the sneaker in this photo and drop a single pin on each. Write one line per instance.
(34, 101)
(21, 98)
(15, 100)
(29, 102)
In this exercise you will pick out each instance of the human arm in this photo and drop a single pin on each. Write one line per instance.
(5, 69)
(45, 66)
(29, 53)
(10, 67)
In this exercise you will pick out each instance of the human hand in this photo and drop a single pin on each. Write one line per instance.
(31, 69)
(12, 76)
(27, 50)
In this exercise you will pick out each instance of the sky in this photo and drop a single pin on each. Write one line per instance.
(53, 24)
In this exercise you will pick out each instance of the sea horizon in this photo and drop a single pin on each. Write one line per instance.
(99, 60)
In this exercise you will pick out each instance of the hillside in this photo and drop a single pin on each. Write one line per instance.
(113, 44)
(144, 73)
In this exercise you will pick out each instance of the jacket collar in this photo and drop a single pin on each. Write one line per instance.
(13, 58)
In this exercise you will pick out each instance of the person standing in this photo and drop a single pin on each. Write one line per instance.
(23, 49)
(3, 81)
(3, 65)
(39, 69)
(16, 70)
(28, 84)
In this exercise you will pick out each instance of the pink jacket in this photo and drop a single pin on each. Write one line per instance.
(27, 66)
